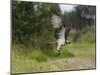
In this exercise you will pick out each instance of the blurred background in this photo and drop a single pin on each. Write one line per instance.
(33, 38)
(31, 21)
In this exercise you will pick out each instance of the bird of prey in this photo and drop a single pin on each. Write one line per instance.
(61, 31)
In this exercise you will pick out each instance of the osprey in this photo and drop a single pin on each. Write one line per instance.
(61, 31)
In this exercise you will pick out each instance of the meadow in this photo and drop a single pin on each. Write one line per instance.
(80, 55)
(73, 57)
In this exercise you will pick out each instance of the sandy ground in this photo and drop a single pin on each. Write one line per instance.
(73, 63)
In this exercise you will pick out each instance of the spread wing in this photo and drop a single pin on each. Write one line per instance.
(56, 21)
(57, 24)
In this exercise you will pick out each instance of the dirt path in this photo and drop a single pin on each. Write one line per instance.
(72, 64)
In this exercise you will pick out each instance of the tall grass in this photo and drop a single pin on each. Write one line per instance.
(29, 52)
(35, 60)
(27, 58)
(86, 35)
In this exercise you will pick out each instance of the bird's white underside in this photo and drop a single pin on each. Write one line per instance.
(61, 39)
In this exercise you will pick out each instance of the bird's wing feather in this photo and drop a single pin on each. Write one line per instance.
(56, 21)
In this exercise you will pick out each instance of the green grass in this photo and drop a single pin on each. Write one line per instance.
(83, 50)
(35, 60)
(82, 45)
(80, 55)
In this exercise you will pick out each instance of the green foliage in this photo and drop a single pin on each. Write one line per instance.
(31, 23)
(81, 17)
(88, 35)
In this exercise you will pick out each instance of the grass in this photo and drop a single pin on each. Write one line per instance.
(82, 45)
(74, 56)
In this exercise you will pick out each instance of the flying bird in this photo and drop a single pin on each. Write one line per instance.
(61, 31)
